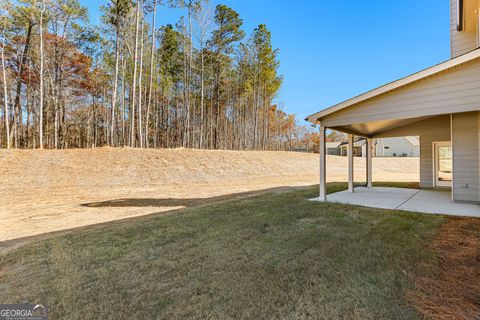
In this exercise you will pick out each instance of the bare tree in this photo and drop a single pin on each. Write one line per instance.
(115, 77)
(140, 88)
(5, 92)
(150, 84)
(134, 81)
(203, 17)
(40, 124)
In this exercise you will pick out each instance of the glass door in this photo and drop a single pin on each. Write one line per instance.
(443, 164)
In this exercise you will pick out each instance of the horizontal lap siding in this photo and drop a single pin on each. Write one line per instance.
(466, 40)
(455, 90)
(466, 173)
(431, 130)
(434, 130)
(463, 42)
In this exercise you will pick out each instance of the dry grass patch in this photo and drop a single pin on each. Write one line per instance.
(449, 289)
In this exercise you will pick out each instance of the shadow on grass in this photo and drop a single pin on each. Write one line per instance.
(332, 187)
(12, 244)
(187, 202)
(193, 202)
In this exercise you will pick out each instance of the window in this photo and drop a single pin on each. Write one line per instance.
(460, 7)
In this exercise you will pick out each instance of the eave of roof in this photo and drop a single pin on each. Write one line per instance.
(358, 142)
(314, 118)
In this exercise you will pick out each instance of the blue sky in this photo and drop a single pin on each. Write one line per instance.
(333, 50)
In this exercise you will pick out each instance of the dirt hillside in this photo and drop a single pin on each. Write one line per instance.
(43, 191)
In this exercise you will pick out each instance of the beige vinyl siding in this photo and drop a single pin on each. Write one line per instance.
(429, 131)
(403, 82)
(465, 134)
(466, 40)
(462, 42)
(451, 91)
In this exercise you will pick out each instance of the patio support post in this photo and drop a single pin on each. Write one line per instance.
(323, 165)
(369, 162)
(350, 162)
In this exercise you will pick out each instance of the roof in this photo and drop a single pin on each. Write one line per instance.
(358, 142)
(396, 84)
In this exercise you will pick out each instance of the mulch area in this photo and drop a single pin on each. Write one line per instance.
(450, 288)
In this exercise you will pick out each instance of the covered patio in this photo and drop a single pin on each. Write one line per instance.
(414, 200)
(439, 105)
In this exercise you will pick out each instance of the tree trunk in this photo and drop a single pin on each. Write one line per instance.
(150, 84)
(17, 106)
(40, 111)
(134, 81)
(140, 77)
(5, 98)
(202, 94)
(115, 84)
(254, 115)
(123, 101)
(95, 132)
(189, 77)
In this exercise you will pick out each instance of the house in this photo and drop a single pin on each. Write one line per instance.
(396, 147)
(359, 148)
(440, 105)
(383, 147)
(332, 148)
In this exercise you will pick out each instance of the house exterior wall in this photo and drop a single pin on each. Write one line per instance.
(357, 151)
(435, 130)
(332, 148)
(452, 91)
(429, 131)
(333, 151)
(465, 143)
(464, 41)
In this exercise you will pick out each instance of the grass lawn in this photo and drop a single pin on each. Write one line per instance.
(274, 256)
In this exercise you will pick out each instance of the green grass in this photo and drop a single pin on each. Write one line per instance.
(275, 256)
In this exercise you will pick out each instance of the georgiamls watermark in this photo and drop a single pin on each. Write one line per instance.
(26, 311)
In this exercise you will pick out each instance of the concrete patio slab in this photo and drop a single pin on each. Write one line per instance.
(385, 198)
(439, 202)
(425, 201)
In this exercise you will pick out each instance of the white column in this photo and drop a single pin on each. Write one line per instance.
(323, 165)
(369, 162)
(350, 162)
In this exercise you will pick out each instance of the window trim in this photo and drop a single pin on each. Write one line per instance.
(477, 15)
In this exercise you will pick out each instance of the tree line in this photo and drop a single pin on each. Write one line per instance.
(201, 83)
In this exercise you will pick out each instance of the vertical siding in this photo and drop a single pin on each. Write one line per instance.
(465, 133)
(466, 40)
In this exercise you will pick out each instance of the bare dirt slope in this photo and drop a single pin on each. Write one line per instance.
(44, 191)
